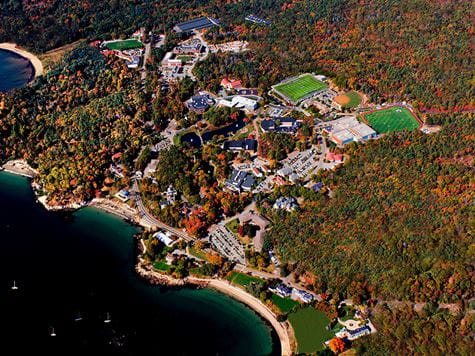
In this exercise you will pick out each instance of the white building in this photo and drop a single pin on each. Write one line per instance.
(164, 237)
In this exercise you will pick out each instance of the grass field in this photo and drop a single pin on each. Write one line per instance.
(394, 118)
(161, 266)
(299, 88)
(349, 100)
(126, 44)
(284, 304)
(310, 329)
(198, 253)
(233, 226)
(242, 279)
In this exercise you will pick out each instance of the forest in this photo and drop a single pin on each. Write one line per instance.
(391, 50)
(397, 226)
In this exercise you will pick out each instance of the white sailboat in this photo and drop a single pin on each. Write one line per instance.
(78, 317)
(14, 287)
(52, 332)
(107, 319)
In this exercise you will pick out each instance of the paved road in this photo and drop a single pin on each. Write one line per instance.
(146, 56)
(149, 220)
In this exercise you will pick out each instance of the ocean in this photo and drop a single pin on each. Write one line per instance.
(15, 71)
(73, 270)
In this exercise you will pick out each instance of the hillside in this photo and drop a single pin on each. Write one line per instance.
(398, 225)
(391, 50)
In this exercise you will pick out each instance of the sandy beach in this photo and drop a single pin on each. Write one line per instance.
(283, 330)
(37, 65)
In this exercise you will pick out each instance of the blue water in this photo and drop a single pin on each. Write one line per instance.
(82, 264)
(15, 71)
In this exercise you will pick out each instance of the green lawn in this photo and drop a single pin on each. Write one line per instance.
(185, 58)
(242, 279)
(233, 225)
(126, 44)
(310, 329)
(198, 253)
(161, 266)
(355, 99)
(394, 118)
(285, 305)
(299, 88)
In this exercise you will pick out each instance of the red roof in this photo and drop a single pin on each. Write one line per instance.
(236, 84)
(225, 81)
(117, 155)
(334, 157)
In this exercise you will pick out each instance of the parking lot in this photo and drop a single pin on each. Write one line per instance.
(227, 244)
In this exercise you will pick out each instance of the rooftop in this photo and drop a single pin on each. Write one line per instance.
(196, 24)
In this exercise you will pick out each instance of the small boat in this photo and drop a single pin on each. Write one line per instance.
(52, 332)
(14, 287)
(107, 319)
(78, 317)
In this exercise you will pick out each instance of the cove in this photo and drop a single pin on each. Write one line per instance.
(81, 266)
(15, 70)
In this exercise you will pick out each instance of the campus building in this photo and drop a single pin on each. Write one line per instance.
(196, 24)
(248, 145)
(348, 129)
(280, 124)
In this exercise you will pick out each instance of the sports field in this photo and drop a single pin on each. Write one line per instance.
(126, 44)
(310, 329)
(349, 100)
(299, 88)
(394, 118)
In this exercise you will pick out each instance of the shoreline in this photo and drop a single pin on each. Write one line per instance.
(34, 60)
(282, 329)
(125, 212)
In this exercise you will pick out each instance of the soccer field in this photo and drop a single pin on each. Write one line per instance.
(122, 45)
(299, 88)
(394, 118)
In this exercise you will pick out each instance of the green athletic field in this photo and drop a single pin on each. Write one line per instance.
(299, 88)
(394, 118)
(355, 99)
(310, 329)
(126, 44)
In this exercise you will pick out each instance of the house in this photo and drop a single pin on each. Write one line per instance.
(231, 84)
(317, 186)
(354, 334)
(334, 157)
(199, 103)
(123, 195)
(133, 62)
(248, 145)
(282, 290)
(302, 295)
(259, 221)
(280, 124)
(170, 61)
(245, 91)
(240, 181)
(256, 172)
(189, 47)
(240, 102)
(164, 237)
(285, 203)
(248, 183)
(258, 20)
